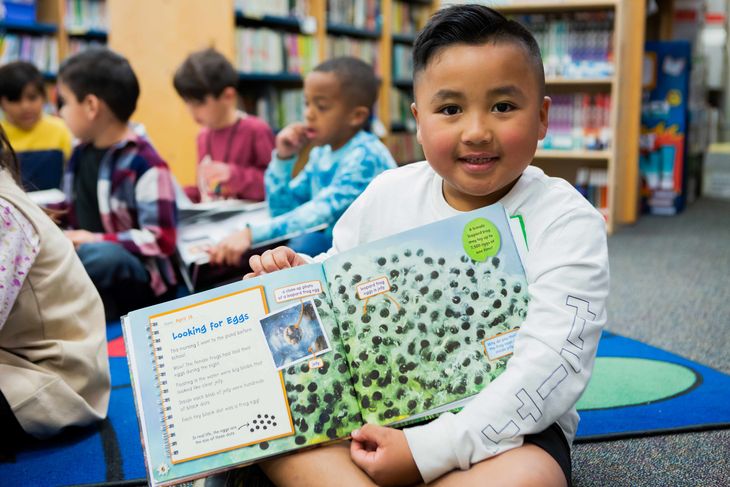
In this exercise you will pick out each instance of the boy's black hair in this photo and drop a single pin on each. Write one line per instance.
(472, 25)
(15, 76)
(105, 74)
(204, 73)
(357, 80)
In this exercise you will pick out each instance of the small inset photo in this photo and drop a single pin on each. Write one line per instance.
(294, 334)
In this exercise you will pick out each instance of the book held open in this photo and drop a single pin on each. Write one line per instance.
(389, 332)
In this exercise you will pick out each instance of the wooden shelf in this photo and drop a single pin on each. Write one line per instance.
(548, 6)
(274, 21)
(404, 38)
(34, 28)
(270, 77)
(347, 30)
(577, 82)
(91, 34)
(578, 155)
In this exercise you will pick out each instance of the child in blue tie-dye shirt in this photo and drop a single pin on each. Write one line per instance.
(338, 95)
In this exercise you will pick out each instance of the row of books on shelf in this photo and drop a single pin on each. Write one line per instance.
(280, 107)
(593, 184)
(409, 18)
(579, 121)
(269, 51)
(404, 147)
(574, 45)
(276, 8)
(400, 109)
(361, 14)
(85, 15)
(39, 50)
(360, 48)
(402, 62)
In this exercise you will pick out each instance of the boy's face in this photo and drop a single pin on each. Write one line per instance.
(480, 114)
(26, 111)
(213, 112)
(76, 114)
(329, 118)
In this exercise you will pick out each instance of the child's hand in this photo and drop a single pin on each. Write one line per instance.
(230, 250)
(214, 174)
(274, 260)
(79, 237)
(290, 140)
(383, 454)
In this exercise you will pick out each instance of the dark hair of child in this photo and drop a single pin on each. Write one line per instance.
(105, 74)
(472, 25)
(204, 73)
(357, 80)
(15, 76)
(8, 159)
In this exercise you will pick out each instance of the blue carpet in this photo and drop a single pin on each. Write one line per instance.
(658, 392)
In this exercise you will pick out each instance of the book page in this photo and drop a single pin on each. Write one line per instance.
(295, 337)
(429, 316)
(220, 387)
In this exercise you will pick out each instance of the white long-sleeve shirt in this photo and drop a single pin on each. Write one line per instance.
(562, 242)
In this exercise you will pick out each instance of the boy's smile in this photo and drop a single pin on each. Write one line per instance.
(480, 112)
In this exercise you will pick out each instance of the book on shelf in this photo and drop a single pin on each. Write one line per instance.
(391, 332)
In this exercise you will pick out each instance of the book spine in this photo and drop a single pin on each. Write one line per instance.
(166, 418)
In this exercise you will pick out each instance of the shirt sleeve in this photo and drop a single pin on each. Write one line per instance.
(19, 246)
(156, 215)
(350, 180)
(567, 270)
(247, 172)
(283, 193)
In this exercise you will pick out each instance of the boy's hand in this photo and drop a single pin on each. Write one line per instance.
(230, 250)
(215, 173)
(290, 140)
(79, 237)
(274, 260)
(383, 454)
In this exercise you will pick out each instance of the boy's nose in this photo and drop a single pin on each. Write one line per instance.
(476, 131)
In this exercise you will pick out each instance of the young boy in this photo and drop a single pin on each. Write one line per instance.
(119, 192)
(42, 142)
(339, 95)
(480, 108)
(234, 148)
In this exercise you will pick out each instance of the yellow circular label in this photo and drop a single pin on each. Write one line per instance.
(674, 98)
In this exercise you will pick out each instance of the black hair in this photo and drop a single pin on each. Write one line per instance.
(105, 74)
(8, 159)
(204, 73)
(16, 76)
(357, 79)
(472, 25)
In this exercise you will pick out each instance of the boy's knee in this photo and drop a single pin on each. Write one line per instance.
(108, 261)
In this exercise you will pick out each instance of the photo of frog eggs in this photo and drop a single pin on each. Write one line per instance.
(420, 344)
(323, 405)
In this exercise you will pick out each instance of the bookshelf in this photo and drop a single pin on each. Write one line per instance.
(190, 26)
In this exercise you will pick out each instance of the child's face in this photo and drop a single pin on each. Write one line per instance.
(76, 114)
(212, 112)
(27, 111)
(480, 114)
(329, 118)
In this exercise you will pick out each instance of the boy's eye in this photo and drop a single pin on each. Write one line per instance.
(450, 110)
(503, 107)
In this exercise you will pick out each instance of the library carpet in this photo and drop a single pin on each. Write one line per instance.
(636, 390)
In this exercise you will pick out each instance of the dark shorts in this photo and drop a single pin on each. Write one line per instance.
(553, 441)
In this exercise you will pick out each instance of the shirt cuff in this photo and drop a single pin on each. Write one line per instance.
(431, 447)
(282, 163)
(260, 232)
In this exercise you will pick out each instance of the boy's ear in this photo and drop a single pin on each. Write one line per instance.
(359, 116)
(229, 93)
(414, 111)
(91, 105)
(544, 111)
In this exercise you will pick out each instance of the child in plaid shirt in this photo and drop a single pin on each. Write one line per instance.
(119, 191)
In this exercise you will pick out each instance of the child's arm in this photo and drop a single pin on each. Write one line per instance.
(156, 215)
(246, 178)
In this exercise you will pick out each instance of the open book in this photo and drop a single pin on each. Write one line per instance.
(388, 332)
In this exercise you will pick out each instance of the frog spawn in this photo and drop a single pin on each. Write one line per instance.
(427, 349)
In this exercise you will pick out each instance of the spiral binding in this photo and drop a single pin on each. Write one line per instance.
(163, 402)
